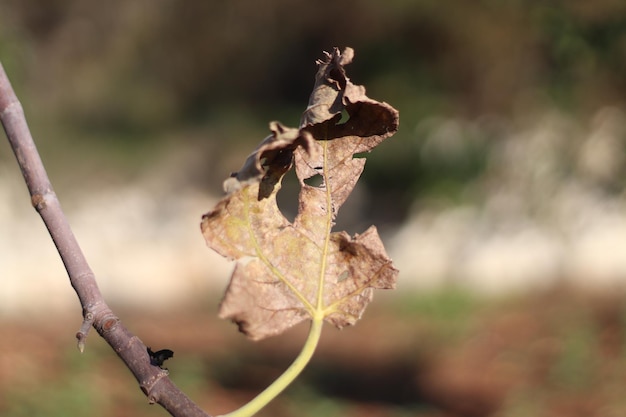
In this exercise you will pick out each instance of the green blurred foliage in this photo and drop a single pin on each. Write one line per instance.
(135, 75)
(149, 63)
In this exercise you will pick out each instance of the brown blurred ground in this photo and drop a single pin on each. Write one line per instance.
(554, 354)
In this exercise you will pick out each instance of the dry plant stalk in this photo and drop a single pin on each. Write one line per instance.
(153, 380)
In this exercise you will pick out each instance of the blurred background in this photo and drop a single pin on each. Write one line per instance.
(501, 200)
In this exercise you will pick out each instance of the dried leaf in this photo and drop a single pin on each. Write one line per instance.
(286, 272)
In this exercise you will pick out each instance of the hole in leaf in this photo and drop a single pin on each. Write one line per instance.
(344, 117)
(287, 197)
(351, 216)
(315, 181)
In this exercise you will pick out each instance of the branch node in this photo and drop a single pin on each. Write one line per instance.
(38, 201)
(107, 323)
(148, 385)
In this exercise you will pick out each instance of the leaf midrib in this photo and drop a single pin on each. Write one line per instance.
(319, 306)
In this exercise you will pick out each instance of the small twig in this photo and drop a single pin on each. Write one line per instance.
(153, 380)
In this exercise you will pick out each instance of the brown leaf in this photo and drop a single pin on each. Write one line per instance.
(286, 272)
